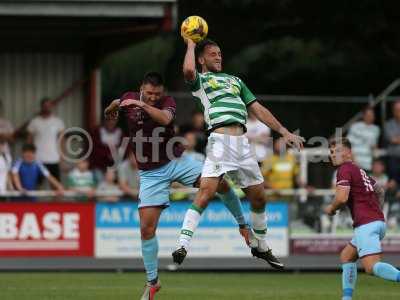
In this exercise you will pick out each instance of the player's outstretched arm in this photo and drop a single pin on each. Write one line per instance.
(265, 116)
(341, 197)
(189, 63)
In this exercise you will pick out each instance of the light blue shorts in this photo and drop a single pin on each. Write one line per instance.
(155, 184)
(367, 238)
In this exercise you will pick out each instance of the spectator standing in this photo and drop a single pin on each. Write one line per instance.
(391, 207)
(364, 137)
(5, 165)
(259, 137)
(81, 180)
(6, 130)
(378, 173)
(198, 127)
(128, 176)
(27, 171)
(392, 139)
(281, 169)
(190, 147)
(106, 140)
(108, 185)
(44, 131)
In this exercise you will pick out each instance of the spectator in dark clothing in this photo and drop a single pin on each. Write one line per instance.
(106, 140)
(392, 138)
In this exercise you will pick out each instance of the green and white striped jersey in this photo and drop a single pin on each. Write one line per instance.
(223, 98)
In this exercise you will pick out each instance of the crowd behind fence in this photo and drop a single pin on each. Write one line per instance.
(40, 172)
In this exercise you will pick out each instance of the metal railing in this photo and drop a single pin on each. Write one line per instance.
(189, 191)
(380, 99)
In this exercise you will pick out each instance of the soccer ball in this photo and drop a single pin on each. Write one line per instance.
(194, 28)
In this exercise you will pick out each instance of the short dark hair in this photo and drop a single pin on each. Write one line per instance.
(153, 78)
(29, 147)
(202, 46)
(340, 141)
(196, 112)
(378, 160)
(367, 108)
(44, 100)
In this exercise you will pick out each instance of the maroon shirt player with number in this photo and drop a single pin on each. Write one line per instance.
(365, 200)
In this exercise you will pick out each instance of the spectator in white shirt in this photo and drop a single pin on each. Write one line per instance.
(259, 137)
(392, 140)
(364, 136)
(6, 130)
(44, 131)
(5, 166)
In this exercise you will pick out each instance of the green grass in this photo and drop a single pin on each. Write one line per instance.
(230, 286)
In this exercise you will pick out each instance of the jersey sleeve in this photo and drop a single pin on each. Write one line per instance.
(195, 84)
(32, 128)
(61, 125)
(170, 105)
(16, 166)
(246, 95)
(373, 181)
(45, 172)
(343, 177)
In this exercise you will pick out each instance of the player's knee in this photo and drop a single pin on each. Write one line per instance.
(369, 269)
(147, 232)
(223, 187)
(258, 200)
(344, 258)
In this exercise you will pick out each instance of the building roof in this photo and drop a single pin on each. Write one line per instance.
(97, 27)
(84, 8)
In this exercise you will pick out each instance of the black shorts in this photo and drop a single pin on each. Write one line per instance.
(54, 170)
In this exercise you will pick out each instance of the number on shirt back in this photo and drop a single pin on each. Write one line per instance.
(367, 181)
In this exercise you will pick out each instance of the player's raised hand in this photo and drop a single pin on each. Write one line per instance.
(294, 140)
(189, 42)
(131, 102)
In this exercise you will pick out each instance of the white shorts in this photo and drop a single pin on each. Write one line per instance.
(232, 155)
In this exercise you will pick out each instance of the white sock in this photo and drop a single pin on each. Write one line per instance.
(258, 219)
(190, 223)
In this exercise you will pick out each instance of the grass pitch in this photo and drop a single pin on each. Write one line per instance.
(230, 286)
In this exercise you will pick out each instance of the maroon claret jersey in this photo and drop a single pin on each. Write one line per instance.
(141, 124)
(363, 202)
